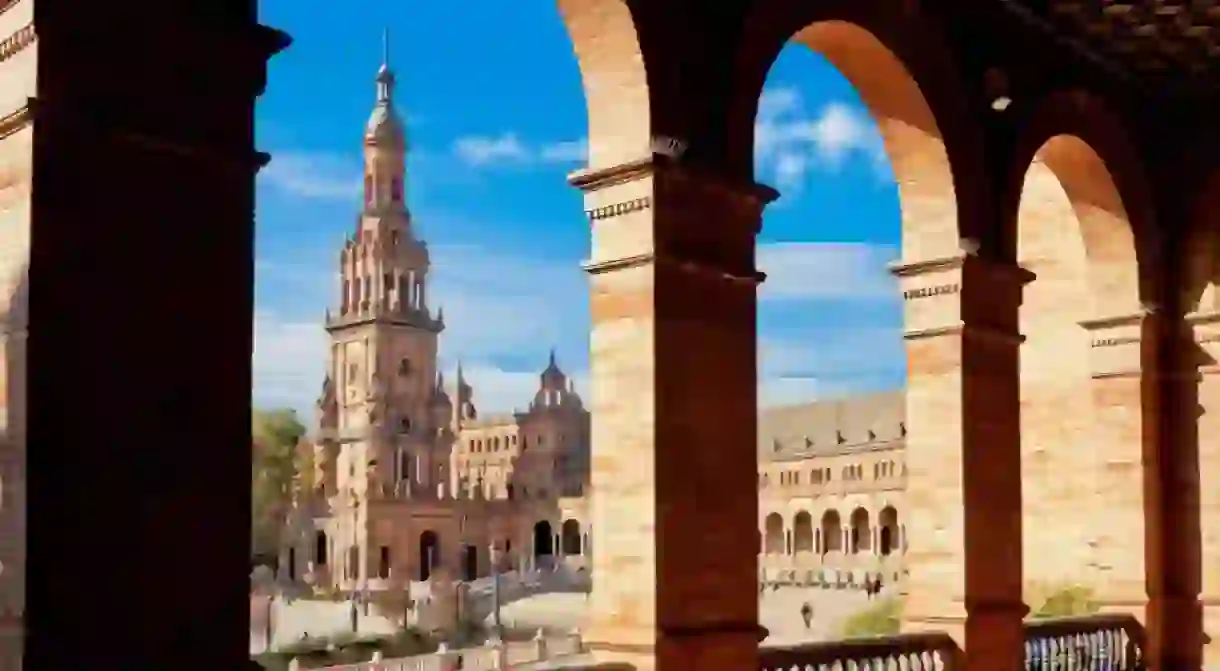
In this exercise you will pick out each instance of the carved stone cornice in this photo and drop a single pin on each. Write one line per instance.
(916, 268)
(983, 332)
(17, 119)
(591, 180)
(686, 265)
(1113, 321)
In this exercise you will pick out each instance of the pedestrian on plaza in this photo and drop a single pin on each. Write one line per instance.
(807, 614)
(877, 585)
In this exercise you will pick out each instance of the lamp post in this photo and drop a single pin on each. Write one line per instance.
(495, 591)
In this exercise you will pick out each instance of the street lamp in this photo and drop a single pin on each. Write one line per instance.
(495, 591)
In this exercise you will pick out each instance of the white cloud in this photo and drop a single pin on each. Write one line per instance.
(789, 142)
(289, 360)
(826, 270)
(827, 362)
(481, 151)
(508, 149)
(504, 311)
(314, 175)
(570, 151)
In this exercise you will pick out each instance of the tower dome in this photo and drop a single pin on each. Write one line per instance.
(385, 127)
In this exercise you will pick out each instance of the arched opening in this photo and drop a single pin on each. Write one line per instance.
(292, 564)
(773, 531)
(858, 150)
(470, 562)
(544, 540)
(887, 536)
(570, 533)
(832, 532)
(319, 548)
(861, 537)
(1080, 363)
(429, 553)
(802, 532)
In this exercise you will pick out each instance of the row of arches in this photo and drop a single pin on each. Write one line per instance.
(859, 536)
(570, 541)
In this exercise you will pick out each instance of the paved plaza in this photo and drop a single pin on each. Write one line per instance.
(564, 611)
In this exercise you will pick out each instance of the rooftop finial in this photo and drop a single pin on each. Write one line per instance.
(385, 77)
(385, 46)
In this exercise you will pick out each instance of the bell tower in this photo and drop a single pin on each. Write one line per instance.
(384, 335)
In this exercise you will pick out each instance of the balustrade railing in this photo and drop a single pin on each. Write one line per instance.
(1087, 643)
(909, 652)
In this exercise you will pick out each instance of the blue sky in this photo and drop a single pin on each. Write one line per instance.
(496, 120)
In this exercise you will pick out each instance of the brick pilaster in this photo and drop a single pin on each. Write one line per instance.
(675, 500)
(963, 455)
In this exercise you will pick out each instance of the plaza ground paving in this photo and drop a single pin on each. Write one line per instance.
(779, 612)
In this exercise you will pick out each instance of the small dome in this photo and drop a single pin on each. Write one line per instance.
(385, 127)
(552, 378)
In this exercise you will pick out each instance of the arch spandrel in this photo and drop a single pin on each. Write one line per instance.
(898, 63)
(607, 45)
(1200, 282)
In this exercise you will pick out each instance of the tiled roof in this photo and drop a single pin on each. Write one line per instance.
(833, 426)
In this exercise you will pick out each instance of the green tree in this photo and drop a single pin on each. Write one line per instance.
(275, 435)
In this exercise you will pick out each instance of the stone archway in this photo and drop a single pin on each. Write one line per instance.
(429, 553)
(934, 141)
(802, 532)
(544, 540)
(773, 535)
(832, 532)
(1081, 227)
(888, 535)
(570, 538)
(861, 532)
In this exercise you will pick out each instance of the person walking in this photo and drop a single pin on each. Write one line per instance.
(807, 614)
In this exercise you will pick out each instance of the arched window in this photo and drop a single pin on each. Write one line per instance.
(383, 565)
(368, 189)
(396, 190)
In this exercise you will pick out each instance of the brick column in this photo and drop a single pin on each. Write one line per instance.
(1124, 390)
(1185, 593)
(963, 455)
(673, 342)
(140, 309)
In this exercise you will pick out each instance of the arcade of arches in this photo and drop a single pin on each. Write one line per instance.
(1004, 144)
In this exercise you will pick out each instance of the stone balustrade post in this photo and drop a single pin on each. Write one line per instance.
(539, 645)
(446, 659)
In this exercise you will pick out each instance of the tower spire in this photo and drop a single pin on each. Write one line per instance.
(385, 76)
(385, 46)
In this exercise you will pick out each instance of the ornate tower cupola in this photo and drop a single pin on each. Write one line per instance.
(554, 388)
(384, 266)
(385, 144)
